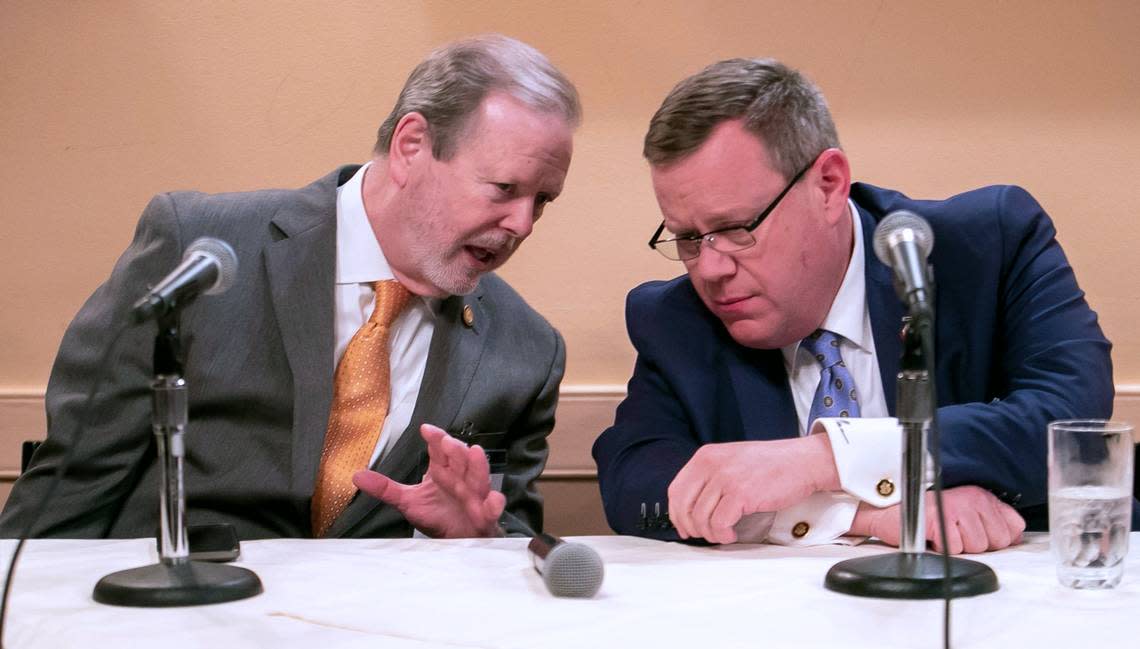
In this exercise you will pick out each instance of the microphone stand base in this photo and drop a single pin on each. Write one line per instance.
(182, 584)
(906, 575)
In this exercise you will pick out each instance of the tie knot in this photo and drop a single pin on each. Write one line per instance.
(824, 345)
(391, 298)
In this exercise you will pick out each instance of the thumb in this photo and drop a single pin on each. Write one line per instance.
(380, 487)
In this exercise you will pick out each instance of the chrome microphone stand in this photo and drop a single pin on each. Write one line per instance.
(912, 572)
(176, 580)
(915, 411)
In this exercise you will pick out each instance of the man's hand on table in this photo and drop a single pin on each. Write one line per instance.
(976, 521)
(721, 483)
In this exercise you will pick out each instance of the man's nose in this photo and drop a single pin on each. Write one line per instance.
(712, 264)
(519, 220)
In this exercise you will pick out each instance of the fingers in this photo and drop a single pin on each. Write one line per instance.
(695, 494)
(447, 459)
(997, 531)
(434, 437)
(473, 486)
(1014, 522)
(973, 532)
(953, 537)
(700, 517)
(699, 507)
(463, 475)
(456, 453)
(976, 521)
(933, 530)
(682, 494)
(456, 467)
(493, 506)
(722, 523)
(1004, 525)
(478, 474)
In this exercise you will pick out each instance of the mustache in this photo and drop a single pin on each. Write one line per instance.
(496, 242)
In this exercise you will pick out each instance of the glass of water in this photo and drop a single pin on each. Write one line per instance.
(1090, 500)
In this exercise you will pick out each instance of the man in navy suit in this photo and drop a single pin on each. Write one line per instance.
(718, 439)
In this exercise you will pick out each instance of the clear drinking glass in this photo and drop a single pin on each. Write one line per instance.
(1090, 500)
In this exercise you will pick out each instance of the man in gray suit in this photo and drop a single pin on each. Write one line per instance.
(478, 143)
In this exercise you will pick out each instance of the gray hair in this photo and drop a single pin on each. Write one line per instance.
(779, 105)
(450, 84)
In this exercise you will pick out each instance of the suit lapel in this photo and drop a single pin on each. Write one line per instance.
(300, 265)
(764, 398)
(456, 349)
(886, 312)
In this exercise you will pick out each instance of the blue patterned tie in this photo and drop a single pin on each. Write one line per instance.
(835, 396)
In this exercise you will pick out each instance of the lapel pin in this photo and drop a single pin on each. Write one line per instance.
(468, 315)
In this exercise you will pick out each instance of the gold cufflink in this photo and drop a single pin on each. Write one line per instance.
(800, 529)
(885, 487)
(468, 315)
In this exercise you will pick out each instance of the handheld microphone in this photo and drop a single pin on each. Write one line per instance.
(568, 569)
(903, 241)
(208, 266)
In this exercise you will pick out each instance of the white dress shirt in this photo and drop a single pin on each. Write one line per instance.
(359, 263)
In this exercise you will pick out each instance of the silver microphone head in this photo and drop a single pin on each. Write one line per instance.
(573, 570)
(223, 254)
(899, 226)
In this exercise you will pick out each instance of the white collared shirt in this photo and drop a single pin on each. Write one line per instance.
(360, 262)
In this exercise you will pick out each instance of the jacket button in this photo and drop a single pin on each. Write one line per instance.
(468, 315)
(885, 487)
(800, 529)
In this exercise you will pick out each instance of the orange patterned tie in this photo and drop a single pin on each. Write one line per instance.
(361, 392)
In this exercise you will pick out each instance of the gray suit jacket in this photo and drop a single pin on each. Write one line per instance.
(259, 364)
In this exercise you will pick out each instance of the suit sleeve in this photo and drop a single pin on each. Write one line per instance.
(650, 441)
(1052, 362)
(111, 439)
(528, 451)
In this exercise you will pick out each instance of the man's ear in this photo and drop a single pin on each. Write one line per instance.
(411, 142)
(834, 174)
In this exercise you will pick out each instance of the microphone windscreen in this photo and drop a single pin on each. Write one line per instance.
(894, 223)
(573, 570)
(225, 256)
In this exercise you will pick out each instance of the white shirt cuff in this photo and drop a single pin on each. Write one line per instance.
(823, 517)
(868, 456)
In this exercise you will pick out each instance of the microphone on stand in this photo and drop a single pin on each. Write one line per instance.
(208, 266)
(903, 241)
(568, 569)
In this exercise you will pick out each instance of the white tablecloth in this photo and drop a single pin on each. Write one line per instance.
(484, 593)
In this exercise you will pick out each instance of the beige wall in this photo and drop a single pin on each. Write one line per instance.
(103, 104)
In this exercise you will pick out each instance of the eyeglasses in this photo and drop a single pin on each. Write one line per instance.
(731, 239)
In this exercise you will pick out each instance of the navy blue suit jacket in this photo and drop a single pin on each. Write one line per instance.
(1017, 346)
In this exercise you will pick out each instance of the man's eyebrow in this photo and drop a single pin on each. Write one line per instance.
(718, 222)
(725, 221)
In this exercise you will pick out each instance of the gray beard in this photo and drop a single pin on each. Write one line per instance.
(444, 276)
